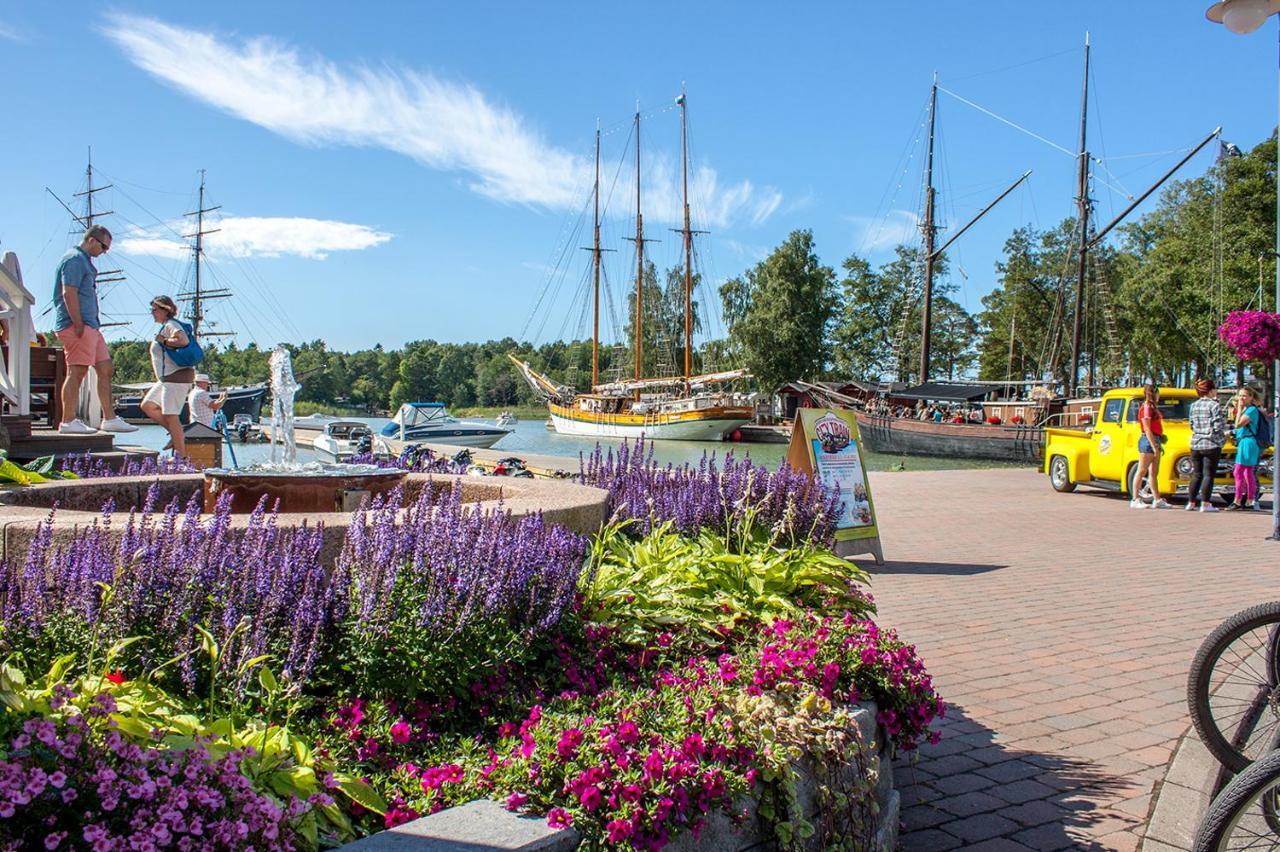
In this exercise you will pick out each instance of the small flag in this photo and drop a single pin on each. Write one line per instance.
(680, 99)
(1228, 150)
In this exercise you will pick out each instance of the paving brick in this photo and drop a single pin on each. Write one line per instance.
(982, 827)
(930, 840)
(968, 804)
(1069, 657)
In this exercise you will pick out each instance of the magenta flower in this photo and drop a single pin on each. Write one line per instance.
(400, 732)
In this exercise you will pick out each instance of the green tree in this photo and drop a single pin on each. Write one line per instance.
(417, 374)
(786, 307)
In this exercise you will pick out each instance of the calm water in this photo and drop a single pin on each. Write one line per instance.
(532, 436)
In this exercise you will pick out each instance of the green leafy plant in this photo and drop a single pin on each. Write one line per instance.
(708, 582)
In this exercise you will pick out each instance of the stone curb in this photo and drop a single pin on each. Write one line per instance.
(580, 508)
(1182, 797)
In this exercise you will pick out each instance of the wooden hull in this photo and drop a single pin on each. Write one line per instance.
(903, 436)
(707, 424)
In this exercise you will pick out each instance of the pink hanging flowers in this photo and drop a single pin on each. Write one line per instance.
(1252, 335)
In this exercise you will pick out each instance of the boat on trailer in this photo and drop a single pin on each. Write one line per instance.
(343, 439)
(431, 422)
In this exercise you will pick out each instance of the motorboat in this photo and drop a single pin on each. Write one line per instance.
(242, 399)
(342, 439)
(431, 422)
(246, 430)
(507, 420)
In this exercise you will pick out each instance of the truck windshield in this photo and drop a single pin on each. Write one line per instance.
(1176, 409)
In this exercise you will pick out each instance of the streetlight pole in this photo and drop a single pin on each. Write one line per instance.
(1243, 17)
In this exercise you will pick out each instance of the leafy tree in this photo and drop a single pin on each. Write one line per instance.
(787, 303)
(417, 374)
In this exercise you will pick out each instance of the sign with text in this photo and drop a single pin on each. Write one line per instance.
(825, 442)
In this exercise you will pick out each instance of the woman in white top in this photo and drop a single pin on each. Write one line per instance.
(163, 401)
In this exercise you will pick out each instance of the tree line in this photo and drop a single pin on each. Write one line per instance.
(1152, 304)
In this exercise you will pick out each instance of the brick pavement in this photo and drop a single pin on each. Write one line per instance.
(1059, 628)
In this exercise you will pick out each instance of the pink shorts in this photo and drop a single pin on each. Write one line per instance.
(86, 350)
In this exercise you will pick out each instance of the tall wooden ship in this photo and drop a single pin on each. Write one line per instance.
(687, 407)
(1006, 441)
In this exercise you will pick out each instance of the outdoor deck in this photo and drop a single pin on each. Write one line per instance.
(1059, 628)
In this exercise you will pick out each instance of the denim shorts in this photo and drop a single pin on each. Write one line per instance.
(1144, 446)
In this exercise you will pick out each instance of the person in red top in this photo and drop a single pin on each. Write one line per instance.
(1149, 448)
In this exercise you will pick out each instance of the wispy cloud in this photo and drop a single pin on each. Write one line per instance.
(873, 235)
(443, 124)
(258, 236)
(8, 33)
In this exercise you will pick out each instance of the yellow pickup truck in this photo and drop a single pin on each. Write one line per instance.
(1106, 455)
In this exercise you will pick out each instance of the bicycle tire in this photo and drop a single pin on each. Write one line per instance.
(1257, 785)
(1227, 749)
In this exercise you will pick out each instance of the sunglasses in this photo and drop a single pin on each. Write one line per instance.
(105, 246)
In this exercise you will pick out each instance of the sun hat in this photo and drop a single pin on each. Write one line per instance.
(202, 377)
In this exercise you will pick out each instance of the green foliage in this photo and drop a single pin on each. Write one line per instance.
(780, 313)
(706, 583)
(278, 760)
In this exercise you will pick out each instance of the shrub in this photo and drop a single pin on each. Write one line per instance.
(73, 784)
(88, 466)
(406, 593)
(794, 506)
(702, 583)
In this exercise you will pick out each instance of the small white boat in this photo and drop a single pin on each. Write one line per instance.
(342, 439)
(431, 422)
(507, 420)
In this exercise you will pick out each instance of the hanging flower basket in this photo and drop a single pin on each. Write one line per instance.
(1252, 335)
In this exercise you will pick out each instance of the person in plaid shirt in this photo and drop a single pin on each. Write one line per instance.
(1208, 434)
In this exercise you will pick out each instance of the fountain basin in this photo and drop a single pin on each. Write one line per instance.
(315, 489)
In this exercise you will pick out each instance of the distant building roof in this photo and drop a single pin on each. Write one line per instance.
(944, 392)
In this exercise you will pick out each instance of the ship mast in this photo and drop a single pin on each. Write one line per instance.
(1082, 204)
(688, 239)
(639, 239)
(105, 276)
(202, 294)
(930, 232)
(595, 273)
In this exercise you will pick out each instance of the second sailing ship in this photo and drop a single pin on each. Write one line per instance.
(687, 407)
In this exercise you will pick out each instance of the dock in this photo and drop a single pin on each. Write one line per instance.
(755, 433)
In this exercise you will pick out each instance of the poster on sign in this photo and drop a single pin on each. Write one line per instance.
(825, 442)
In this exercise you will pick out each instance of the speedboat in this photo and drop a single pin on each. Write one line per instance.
(342, 439)
(432, 422)
(246, 430)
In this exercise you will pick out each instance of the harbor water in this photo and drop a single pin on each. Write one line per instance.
(532, 436)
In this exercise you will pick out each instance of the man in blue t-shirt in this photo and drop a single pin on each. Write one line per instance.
(75, 302)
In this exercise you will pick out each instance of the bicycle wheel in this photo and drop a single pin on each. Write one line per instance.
(1233, 691)
(1244, 814)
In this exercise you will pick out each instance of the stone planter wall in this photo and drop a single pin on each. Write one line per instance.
(485, 825)
(581, 508)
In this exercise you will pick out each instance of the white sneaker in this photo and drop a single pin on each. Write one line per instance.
(1209, 507)
(1137, 503)
(76, 427)
(1161, 504)
(115, 424)
(1191, 507)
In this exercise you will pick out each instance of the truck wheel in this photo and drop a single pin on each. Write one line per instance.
(1131, 480)
(1060, 475)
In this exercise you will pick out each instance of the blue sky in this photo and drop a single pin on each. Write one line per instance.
(398, 171)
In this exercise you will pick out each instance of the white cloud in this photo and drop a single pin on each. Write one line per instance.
(258, 236)
(874, 235)
(442, 124)
(9, 33)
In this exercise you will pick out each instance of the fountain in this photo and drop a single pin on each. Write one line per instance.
(311, 487)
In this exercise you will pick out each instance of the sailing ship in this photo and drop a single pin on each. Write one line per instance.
(1024, 442)
(687, 407)
(242, 399)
